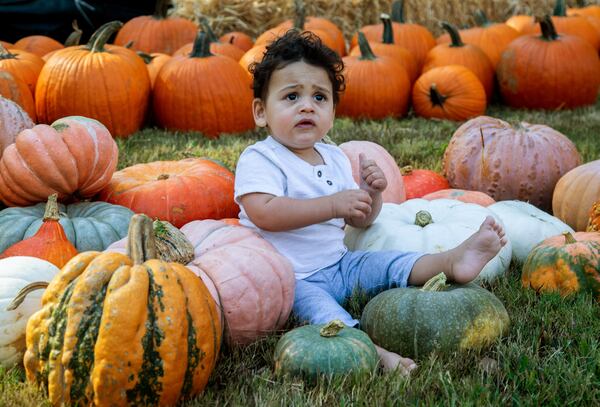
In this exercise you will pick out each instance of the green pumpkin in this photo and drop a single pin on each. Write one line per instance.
(332, 349)
(414, 322)
(88, 225)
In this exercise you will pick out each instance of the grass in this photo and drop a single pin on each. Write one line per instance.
(551, 355)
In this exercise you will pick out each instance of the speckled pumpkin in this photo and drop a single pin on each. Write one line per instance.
(123, 330)
(566, 263)
(325, 349)
(414, 322)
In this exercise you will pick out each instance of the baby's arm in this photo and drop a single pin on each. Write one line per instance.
(278, 213)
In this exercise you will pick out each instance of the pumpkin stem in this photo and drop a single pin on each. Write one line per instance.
(569, 239)
(171, 243)
(75, 36)
(51, 211)
(388, 30)
(6, 54)
(548, 30)
(201, 46)
(560, 8)
(146, 57)
(232, 39)
(423, 218)
(102, 34)
(398, 11)
(129, 44)
(209, 32)
(437, 99)
(481, 18)
(162, 177)
(406, 170)
(300, 17)
(161, 9)
(332, 328)
(454, 35)
(435, 283)
(140, 242)
(23, 292)
(365, 49)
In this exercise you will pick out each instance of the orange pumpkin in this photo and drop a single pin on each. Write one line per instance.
(521, 23)
(419, 182)
(158, 32)
(450, 92)
(462, 195)
(75, 157)
(13, 119)
(175, 191)
(6, 44)
(49, 243)
(216, 47)
(22, 65)
(16, 90)
(241, 40)
(104, 82)
(154, 62)
(591, 11)
(254, 54)
(376, 86)
(203, 92)
(594, 220)
(39, 45)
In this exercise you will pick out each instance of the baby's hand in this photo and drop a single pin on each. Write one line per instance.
(351, 203)
(372, 178)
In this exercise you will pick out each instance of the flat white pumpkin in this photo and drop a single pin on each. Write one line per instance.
(15, 273)
(452, 223)
(526, 226)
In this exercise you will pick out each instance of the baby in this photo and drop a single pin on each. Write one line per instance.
(298, 193)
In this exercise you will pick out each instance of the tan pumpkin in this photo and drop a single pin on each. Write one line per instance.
(13, 120)
(75, 157)
(16, 90)
(575, 193)
(523, 162)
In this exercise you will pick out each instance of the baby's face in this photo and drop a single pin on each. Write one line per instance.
(299, 107)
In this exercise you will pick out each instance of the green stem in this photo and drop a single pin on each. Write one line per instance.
(365, 49)
(569, 239)
(332, 328)
(75, 36)
(560, 8)
(454, 35)
(406, 170)
(101, 36)
(481, 18)
(548, 30)
(423, 218)
(398, 11)
(161, 9)
(300, 17)
(23, 292)
(437, 99)
(435, 283)
(5, 54)
(388, 30)
(209, 32)
(146, 57)
(201, 46)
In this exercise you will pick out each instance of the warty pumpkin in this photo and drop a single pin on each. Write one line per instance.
(74, 157)
(419, 182)
(104, 82)
(463, 195)
(523, 162)
(13, 119)
(16, 90)
(22, 65)
(120, 329)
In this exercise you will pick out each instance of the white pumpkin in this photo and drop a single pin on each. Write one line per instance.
(526, 226)
(452, 223)
(15, 273)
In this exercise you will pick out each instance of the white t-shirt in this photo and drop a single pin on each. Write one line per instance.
(269, 167)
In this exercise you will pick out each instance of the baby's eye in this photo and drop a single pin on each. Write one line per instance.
(291, 96)
(320, 98)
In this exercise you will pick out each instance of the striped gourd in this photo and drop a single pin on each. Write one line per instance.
(119, 330)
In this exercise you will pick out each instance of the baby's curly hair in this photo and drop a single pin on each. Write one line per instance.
(292, 47)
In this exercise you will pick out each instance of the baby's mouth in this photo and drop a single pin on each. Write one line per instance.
(305, 123)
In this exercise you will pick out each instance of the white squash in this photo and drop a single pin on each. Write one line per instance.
(526, 226)
(15, 273)
(452, 223)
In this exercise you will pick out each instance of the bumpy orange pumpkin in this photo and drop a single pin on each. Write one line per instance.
(176, 191)
(75, 157)
(13, 120)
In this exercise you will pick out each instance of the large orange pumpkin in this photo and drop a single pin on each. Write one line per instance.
(22, 65)
(74, 157)
(522, 162)
(16, 90)
(13, 120)
(104, 82)
(176, 191)
(550, 71)
(158, 32)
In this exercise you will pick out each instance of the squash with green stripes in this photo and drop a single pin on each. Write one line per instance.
(120, 329)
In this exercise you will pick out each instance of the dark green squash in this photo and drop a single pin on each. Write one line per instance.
(331, 350)
(414, 322)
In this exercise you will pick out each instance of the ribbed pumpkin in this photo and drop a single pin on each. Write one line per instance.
(118, 330)
(376, 86)
(325, 349)
(395, 191)
(241, 40)
(74, 157)
(49, 243)
(16, 90)
(39, 45)
(387, 47)
(414, 322)
(158, 32)
(594, 220)
(575, 193)
(419, 182)
(176, 191)
(550, 71)
(450, 92)
(13, 119)
(566, 264)
(22, 65)
(476, 197)
(216, 46)
(203, 92)
(523, 162)
(104, 82)
(459, 53)
(88, 225)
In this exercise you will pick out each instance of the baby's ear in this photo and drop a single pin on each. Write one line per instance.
(258, 110)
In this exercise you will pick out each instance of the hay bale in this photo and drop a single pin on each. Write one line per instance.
(254, 17)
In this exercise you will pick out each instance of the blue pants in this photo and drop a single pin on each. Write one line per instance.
(317, 298)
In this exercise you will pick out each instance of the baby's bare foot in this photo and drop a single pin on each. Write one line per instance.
(391, 361)
(472, 255)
